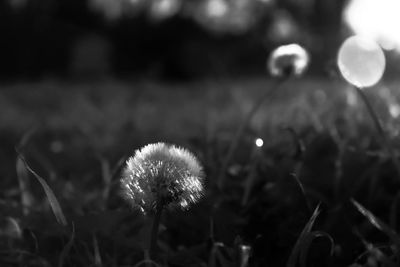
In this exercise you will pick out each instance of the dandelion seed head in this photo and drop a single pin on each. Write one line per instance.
(288, 60)
(162, 174)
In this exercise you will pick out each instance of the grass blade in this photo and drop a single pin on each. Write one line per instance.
(217, 257)
(54, 204)
(67, 248)
(379, 224)
(244, 255)
(23, 181)
(294, 255)
(97, 256)
(307, 244)
(26, 138)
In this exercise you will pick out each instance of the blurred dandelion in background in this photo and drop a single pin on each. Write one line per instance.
(216, 8)
(164, 9)
(283, 27)
(361, 61)
(378, 20)
(222, 16)
(161, 175)
(288, 60)
(110, 9)
(115, 9)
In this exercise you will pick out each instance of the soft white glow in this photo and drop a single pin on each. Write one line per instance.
(111, 9)
(18, 3)
(351, 98)
(56, 146)
(361, 61)
(162, 9)
(283, 27)
(259, 142)
(216, 8)
(266, 1)
(375, 19)
(394, 110)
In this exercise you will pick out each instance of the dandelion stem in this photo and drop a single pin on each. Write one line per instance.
(154, 230)
(380, 129)
(242, 127)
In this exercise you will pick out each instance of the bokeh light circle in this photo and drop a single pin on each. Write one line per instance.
(361, 61)
(259, 142)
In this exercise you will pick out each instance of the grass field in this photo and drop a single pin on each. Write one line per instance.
(322, 190)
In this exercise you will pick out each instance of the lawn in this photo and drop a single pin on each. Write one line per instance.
(321, 191)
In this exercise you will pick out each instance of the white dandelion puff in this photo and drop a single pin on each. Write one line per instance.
(288, 60)
(161, 176)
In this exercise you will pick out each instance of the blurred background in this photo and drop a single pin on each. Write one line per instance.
(165, 39)
(176, 39)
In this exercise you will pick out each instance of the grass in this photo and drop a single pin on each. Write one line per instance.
(322, 191)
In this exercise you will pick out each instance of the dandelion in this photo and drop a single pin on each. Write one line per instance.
(284, 62)
(161, 175)
(288, 60)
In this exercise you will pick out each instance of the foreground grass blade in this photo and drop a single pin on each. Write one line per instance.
(380, 225)
(147, 262)
(23, 181)
(96, 251)
(242, 127)
(26, 138)
(307, 243)
(244, 256)
(54, 204)
(67, 248)
(22, 173)
(294, 255)
(376, 252)
(217, 258)
(378, 125)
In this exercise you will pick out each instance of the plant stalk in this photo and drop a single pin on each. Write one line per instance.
(380, 129)
(242, 127)
(154, 230)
